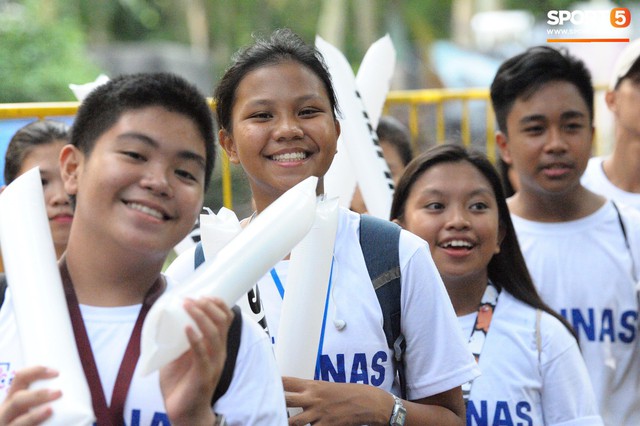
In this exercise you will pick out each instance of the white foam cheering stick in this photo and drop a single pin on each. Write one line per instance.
(267, 239)
(305, 295)
(358, 137)
(46, 334)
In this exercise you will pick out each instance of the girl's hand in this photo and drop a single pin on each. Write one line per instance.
(188, 383)
(326, 403)
(28, 407)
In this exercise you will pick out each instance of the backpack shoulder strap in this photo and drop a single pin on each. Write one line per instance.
(198, 257)
(233, 344)
(3, 287)
(379, 240)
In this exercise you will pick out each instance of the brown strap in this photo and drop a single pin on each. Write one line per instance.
(105, 415)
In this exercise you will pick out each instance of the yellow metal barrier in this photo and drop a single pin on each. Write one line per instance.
(440, 97)
(411, 99)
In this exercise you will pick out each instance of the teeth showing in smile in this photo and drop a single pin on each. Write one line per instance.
(457, 244)
(290, 156)
(147, 210)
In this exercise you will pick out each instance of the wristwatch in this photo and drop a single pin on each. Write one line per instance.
(399, 413)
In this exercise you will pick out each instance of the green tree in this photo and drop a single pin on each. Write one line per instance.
(42, 52)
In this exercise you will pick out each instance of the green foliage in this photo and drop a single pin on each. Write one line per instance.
(40, 58)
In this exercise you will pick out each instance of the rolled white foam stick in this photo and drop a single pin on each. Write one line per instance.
(305, 295)
(267, 239)
(360, 139)
(340, 179)
(42, 316)
(373, 79)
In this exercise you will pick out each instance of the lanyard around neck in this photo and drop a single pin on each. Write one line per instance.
(107, 415)
(481, 328)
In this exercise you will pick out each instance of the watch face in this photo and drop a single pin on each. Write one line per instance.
(399, 417)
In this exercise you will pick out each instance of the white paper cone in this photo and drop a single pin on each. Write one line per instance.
(371, 170)
(82, 90)
(306, 293)
(217, 230)
(265, 241)
(46, 334)
(374, 77)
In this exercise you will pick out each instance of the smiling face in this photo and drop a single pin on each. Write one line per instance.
(549, 138)
(453, 207)
(142, 186)
(57, 203)
(282, 129)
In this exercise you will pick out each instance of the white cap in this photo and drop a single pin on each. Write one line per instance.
(625, 61)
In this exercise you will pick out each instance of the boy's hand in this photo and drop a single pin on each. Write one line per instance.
(27, 407)
(189, 382)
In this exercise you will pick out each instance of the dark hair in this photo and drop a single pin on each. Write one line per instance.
(506, 269)
(396, 134)
(104, 106)
(523, 74)
(282, 46)
(503, 170)
(42, 132)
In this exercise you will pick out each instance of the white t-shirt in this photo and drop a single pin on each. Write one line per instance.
(255, 395)
(521, 385)
(436, 357)
(582, 269)
(597, 181)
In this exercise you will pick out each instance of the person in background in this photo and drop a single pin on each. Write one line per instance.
(453, 199)
(394, 139)
(277, 110)
(141, 156)
(617, 176)
(38, 144)
(581, 249)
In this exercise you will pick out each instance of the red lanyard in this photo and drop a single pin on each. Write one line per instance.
(113, 415)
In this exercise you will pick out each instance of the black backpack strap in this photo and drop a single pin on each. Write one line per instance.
(233, 344)
(379, 240)
(3, 287)
(198, 257)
